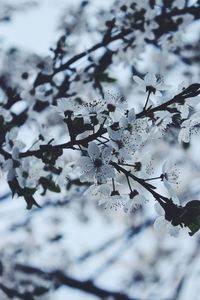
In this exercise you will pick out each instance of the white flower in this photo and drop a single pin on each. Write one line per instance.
(185, 132)
(115, 105)
(98, 192)
(106, 197)
(189, 127)
(68, 169)
(45, 92)
(137, 127)
(113, 201)
(10, 138)
(2, 160)
(96, 166)
(134, 201)
(150, 24)
(179, 4)
(124, 142)
(170, 174)
(143, 164)
(11, 141)
(65, 107)
(164, 119)
(5, 114)
(189, 104)
(92, 110)
(162, 224)
(151, 83)
(128, 120)
(9, 167)
(184, 110)
(46, 65)
(15, 153)
(28, 173)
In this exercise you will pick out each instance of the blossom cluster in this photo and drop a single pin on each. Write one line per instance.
(110, 136)
(113, 140)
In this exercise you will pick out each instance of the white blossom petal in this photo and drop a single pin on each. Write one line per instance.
(109, 171)
(173, 230)
(106, 154)
(159, 209)
(85, 163)
(138, 80)
(93, 150)
(160, 223)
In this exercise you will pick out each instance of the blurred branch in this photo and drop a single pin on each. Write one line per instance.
(166, 24)
(191, 262)
(127, 234)
(117, 255)
(58, 278)
(13, 293)
(5, 196)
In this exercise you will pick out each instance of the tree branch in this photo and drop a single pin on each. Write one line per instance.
(59, 278)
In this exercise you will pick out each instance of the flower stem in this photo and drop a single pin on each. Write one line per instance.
(153, 178)
(145, 106)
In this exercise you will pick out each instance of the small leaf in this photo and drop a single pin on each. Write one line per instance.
(191, 216)
(49, 184)
(30, 201)
(104, 77)
(195, 226)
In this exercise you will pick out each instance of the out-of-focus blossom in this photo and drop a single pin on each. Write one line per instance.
(113, 201)
(8, 167)
(28, 173)
(162, 224)
(134, 201)
(46, 65)
(5, 114)
(170, 172)
(151, 83)
(189, 127)
(13, 145)
(170, 177)
(65, 107)
(45, 92)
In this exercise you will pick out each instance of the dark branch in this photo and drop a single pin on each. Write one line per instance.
(60, 279)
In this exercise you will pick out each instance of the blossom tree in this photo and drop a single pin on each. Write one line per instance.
(109, 116)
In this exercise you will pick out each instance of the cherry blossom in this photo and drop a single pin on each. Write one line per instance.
(151, 83)
(189, 127)
(113, 201)
(98, 192)
(170, 172)
(5, 114)
(28, 173)
(134, 201)
(119, 138)
(45, 92)
(11, 140)
(116, 105)
(128, 120)
(162, 224)
(46, 65)
(9, 168)
(93, 110)
(96, 166)
(123, 142)
(65, 107)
